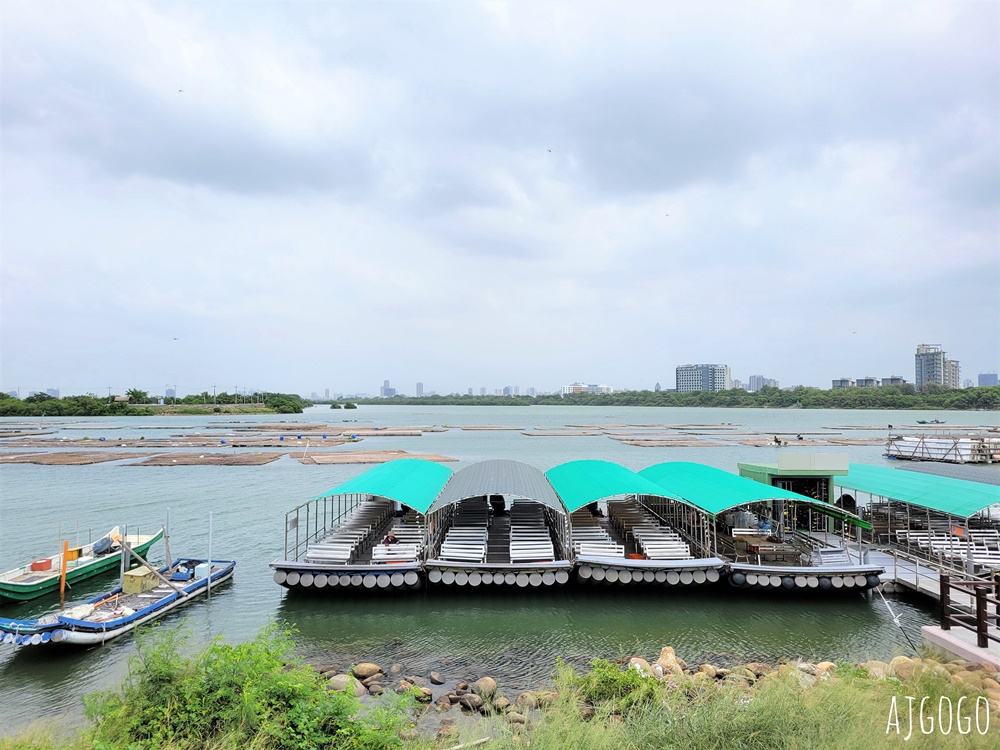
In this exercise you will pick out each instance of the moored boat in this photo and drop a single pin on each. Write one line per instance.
(144, 596)
(41, 576)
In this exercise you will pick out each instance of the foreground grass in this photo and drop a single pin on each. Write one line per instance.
(253, 696)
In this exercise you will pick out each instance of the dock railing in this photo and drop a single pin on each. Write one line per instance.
(979, 620)
(314, 520)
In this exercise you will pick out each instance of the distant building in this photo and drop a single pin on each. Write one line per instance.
(420, 390)
(585, 388)
(657, 388)
(987, 379)
(171, 393)
(893, 380)
(54, 392)
(326, 394)
(482, 391)
(703, 378)
(31, 393)
(756, 382)
(843, 383)
(386, 391)
(531, 391)
(14, 393)
(868, 382)
(314, 396)
(967, 383)
(933, 366)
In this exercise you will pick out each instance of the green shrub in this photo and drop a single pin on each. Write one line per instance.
(232, 696)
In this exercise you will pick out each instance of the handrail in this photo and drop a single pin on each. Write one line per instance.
(982, 618)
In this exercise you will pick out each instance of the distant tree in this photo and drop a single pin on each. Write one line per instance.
(138, 397)
(39, 398)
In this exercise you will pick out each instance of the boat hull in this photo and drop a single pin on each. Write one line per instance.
(11, 591)
(68, 631)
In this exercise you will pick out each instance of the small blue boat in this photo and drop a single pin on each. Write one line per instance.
(118, 611)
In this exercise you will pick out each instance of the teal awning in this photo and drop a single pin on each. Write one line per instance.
(959, 497)
(715, 491)
(579, 483)
(412, 482)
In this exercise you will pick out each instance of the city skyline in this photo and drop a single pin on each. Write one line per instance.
(530, 193)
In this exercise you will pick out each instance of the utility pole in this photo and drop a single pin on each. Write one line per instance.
(214, 401)
(109, 393)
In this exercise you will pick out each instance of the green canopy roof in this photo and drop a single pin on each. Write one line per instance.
(959, 497)
(581, 482)
(714, 490)
(411, 481)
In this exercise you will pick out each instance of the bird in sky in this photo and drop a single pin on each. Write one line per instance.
(176, 339)
(550, 150)
(180, 91)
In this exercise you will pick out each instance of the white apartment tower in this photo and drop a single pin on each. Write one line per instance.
(703, 378)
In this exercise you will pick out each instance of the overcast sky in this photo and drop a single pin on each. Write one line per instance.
(326, 195)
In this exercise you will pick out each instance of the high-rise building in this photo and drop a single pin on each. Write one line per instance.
(843, 383)
(420, 390)
(386, 391)
(703, 378)
(326, 394)
(756, 382)
(987, 379)
(933, 366)
(952, 373)
(482, 390)
(894, 380)
(54, 392)
(868, 382)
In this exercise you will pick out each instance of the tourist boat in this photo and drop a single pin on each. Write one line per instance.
(144, 596)
(42, 576)
(930, 421)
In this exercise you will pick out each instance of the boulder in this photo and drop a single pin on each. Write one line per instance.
(460, 692)
(990, 684)
(436, 678)
(463, 685)
(501, 704)
(324, 668)
(417, 680)
(425, 695)
(641, 666)
(877, 670)
(973, 679)
(805, 679)
(657, 671)
(396, 670)
(721, 673)
(826, 667)
(447, 721)
(403, 686)
(587, 712)
(528, 699)
(515, 718)
(953, 668)
(375, 689)
(379, 677)
(365, 669)
(471, 701)
(339, 682)
(484, 687)
(807, 668)
(902, 667)
(709, 670)
(443, 704)
(545, 697)
(447, 733)
(758, 668)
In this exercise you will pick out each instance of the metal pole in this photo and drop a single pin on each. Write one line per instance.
(981, 632)
(945, 601)
(209, 583)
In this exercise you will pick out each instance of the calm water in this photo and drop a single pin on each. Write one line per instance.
(515, 636)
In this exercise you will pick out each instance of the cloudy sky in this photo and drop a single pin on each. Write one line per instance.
(326, 195)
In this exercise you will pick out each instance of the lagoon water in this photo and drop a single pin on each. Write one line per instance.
(515, 636)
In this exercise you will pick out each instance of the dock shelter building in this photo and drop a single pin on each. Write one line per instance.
(954, 523)
(506, 522)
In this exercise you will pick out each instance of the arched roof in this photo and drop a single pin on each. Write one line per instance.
(412, 482)
(714, 490)
(498, 477)
(581, 482)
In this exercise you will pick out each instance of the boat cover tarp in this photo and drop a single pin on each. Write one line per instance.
(959, 497)
(579, 483)
(499, 477)
(715, 491)
(412, 482)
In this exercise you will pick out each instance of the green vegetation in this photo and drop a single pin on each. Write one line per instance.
(256, 696)
(887, 397)
(138, 405)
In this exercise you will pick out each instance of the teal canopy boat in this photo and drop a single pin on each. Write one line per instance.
(42, 576)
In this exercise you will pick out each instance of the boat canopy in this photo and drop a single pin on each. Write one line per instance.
(715, 491)
(499, 477)
(412, 482)
(580, 483)
(957, 497)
